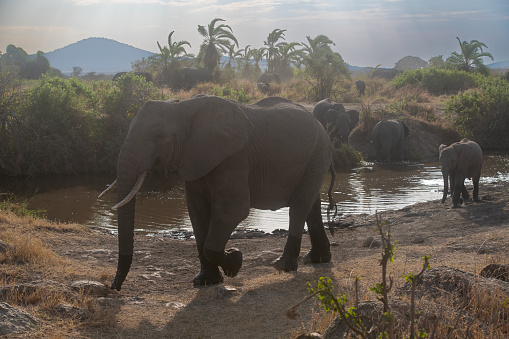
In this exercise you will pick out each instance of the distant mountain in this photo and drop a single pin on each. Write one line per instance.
(499, 65)
(98, 55)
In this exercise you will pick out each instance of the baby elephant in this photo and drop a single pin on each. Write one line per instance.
(461, 160)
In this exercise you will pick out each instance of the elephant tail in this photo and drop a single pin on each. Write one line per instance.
(332, 205)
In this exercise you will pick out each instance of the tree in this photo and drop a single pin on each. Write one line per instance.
(233, 55)
(323, 66)
(410, 63)
(437, 61)
(76, 70)
(167, 60)
(316, 44)
(217, 41)
(470, 58)
(288, 54)
(273, 47)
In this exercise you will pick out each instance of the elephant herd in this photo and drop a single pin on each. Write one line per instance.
(266, 155)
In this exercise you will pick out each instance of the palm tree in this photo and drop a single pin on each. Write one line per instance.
(168, 58)
(316, 44)
(287, 56)
(257, 55)
(272, 50)
(470, 58)
(233, 55)
(217, 41)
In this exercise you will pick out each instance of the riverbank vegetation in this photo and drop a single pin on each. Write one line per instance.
(55, 125)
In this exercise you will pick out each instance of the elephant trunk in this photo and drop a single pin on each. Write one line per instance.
(130, 175)
(446, 186)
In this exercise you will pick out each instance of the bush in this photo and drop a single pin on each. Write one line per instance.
(438, 81)
(67, 126)
(345, 157)
(482, 114)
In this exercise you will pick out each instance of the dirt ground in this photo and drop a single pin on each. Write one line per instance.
(158, 300)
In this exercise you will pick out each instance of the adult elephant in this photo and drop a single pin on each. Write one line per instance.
(193, 76)
(388, 138)
(339, 124)
(361, 87)
(268, 78)
(461, 160)
(147, 76)
(232, 156)
(323, 106)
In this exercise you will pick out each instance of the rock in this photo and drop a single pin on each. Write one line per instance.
(89, 287)
(4, 247)
(371, 242)
(70, 311)
(496, 271)
(176, 305)
(312, 335)
(220, 291)
(13, 320)
(447, 281)
(418, 240)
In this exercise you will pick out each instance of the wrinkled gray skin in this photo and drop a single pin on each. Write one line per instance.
(388, 139)
(361, 87)
(193, 76)
(146, 75)
(268, 78)
(339, 125)
(232, 156)
(461, 160)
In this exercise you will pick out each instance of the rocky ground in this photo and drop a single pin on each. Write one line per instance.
(158, 300)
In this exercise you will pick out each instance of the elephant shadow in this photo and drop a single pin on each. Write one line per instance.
(217, 313)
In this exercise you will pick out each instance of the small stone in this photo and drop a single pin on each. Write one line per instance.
(370, 242)
(176, 305)
(89, 286)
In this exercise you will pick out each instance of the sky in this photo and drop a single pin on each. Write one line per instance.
(365, 32)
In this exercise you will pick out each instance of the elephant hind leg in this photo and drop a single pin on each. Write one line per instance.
(475, 194)
(320, 246)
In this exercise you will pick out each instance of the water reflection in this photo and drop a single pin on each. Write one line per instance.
(161, 205)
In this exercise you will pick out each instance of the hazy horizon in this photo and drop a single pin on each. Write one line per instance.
(365, 33)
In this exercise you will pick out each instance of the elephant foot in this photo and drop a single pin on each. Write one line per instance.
(209, 275)
(458, 205)
(233, 262)
(285, 264)
(317, 256)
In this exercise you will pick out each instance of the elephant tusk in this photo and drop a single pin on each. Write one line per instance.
(133, 192)
(108, 189)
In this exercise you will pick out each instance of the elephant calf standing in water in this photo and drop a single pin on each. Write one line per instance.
(388, 137)
(232, 156)
(459, 161)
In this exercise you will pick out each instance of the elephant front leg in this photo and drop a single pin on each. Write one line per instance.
(288, 260)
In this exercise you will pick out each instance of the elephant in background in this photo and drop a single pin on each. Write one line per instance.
(193, 76)
(146, 75)
(339, 124)
(461, 160)
(388, 139)
(335, 119)
(361, 87)
(232, 156)
(268, 78)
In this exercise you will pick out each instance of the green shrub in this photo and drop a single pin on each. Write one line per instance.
(438, 81)
(120, 101)
(482, 114)
(345, 157)
(54, 126)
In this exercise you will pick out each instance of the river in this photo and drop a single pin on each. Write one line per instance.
(161, 205)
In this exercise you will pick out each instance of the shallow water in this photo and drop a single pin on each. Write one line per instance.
(161, 205)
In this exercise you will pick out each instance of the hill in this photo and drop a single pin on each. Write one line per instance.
(499, 65)
(98, 55)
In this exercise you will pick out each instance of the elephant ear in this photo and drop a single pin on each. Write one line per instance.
(464, 154)
(218, 129)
